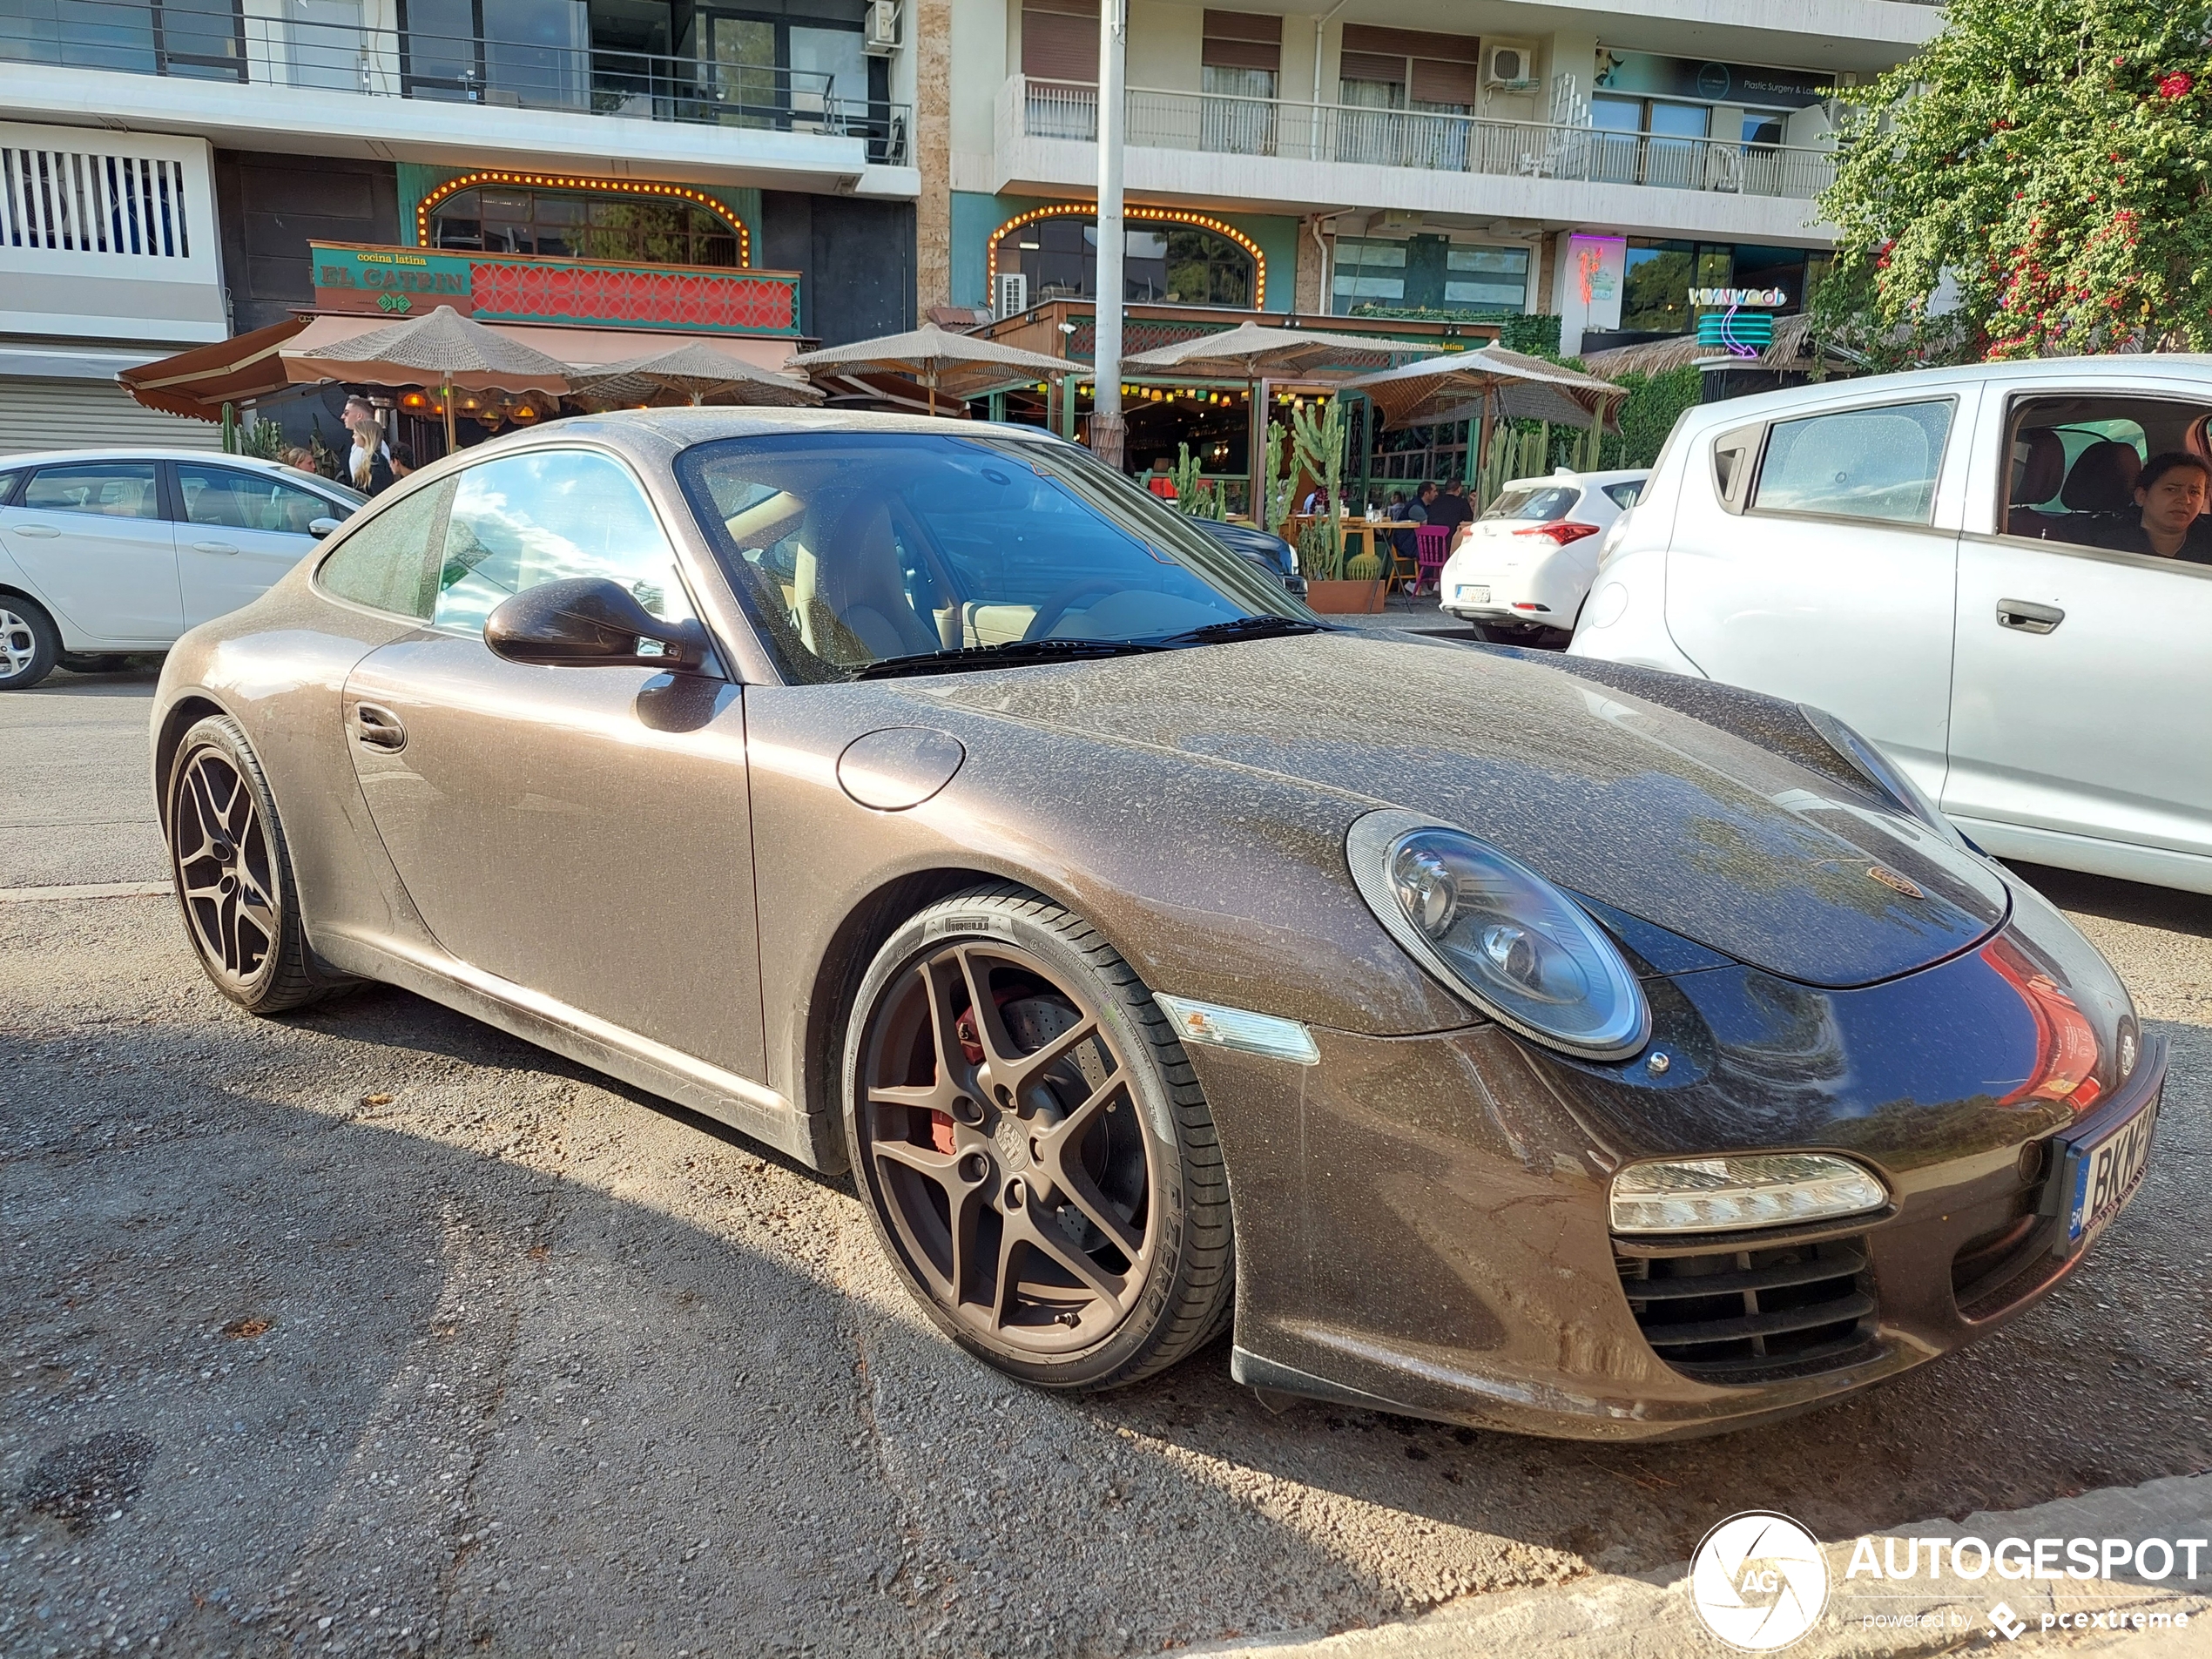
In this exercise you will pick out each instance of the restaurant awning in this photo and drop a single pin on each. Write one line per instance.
(197, 383)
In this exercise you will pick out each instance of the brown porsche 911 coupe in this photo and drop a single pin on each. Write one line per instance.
(1537, 1044)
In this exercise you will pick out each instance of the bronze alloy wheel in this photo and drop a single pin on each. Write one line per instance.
(1027, 1156)
(233, 872)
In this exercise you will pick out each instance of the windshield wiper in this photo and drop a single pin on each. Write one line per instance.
(1265, 627)
(1013, 653)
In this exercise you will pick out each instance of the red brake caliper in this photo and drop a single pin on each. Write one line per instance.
(971, 1049)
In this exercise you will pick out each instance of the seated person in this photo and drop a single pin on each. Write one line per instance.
(2171, 494)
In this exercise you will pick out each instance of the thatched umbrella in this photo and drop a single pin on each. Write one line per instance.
(444, 349)
(962, 366)
(1517, 385)
(1252, 352)
(694, 370)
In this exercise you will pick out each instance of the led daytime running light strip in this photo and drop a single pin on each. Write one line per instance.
(1169, 215)
(560, 181)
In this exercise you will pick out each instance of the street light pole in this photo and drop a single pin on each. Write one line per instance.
(1106, 353)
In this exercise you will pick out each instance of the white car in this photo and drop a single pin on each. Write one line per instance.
(1953, 561)
(104, 552)
(1524, 567)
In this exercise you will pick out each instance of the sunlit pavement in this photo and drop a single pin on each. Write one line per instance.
(372, 1330)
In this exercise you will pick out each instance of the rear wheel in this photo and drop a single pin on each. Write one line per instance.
(30, 646)
(233, 872)
(1035, 1154)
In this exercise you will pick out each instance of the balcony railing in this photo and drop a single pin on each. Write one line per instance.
(1218, 124)
(138, 37)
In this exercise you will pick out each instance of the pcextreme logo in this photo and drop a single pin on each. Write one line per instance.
(1758, 1582)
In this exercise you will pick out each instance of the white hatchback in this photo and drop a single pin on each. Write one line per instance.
(104, 552)
(1524, 567)
(1955, 562)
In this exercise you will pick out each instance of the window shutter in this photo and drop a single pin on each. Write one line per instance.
(1060, 45)
(1368, 66)
(1442, 82)
(1411, 43)
(1242, 40)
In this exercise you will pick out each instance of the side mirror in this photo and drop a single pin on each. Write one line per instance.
(587, 621)
(319, 528)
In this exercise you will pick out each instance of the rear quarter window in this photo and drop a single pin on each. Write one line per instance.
(1537, 504)
(1624, 495)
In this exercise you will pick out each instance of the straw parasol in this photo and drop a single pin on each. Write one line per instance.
(1793, 348)
(1251, 349)
(961, 366)
(694, 370)
(1252, 352)
(444, 349)
(1511, 382)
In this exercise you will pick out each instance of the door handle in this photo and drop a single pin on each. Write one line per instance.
(2027, 617)
(43, 532)
(213, 547)
(378, 728)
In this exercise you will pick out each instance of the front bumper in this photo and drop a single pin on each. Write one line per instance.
(1438, 1246)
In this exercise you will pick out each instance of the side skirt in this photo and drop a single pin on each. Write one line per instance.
(753, 1108)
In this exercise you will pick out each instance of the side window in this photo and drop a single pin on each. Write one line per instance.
(1878, 464)
(1624, 495)
(9, 484)
(385, 561)
(109, 489)
(543, 516)
(229, 499)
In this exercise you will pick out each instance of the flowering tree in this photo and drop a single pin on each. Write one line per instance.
(2037, 180)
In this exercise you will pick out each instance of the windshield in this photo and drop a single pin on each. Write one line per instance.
(856, 548)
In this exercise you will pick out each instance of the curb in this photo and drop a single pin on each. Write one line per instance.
(1649, 1617)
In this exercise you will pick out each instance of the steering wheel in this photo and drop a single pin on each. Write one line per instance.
(1050, 614)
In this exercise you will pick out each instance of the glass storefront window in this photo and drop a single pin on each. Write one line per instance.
(1161, 263)
(1427, 273)
(576, 225)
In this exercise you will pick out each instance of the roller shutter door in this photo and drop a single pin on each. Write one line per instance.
(90, 414)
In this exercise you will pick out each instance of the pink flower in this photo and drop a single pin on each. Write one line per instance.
(2178, 84)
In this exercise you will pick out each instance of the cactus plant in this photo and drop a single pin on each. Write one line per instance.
(1196, 495)
(1319, 439)
(1276, 479)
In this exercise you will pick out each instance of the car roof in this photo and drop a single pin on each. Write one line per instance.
(58, 458)
(2186, 366)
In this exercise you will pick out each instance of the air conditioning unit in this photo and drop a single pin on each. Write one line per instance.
(882, 34)
(1509, 66)
(1013, 295)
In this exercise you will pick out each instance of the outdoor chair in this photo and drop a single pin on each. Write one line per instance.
(1435, 544)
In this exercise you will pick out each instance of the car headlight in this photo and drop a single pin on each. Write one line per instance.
(1495, 930)
(1726, 1194)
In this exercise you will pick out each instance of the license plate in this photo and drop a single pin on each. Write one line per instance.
(1474, 595)
(2103, 1175)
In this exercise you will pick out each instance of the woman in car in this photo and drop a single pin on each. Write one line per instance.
(2171, 494)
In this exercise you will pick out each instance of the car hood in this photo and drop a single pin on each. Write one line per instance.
(1627, 802)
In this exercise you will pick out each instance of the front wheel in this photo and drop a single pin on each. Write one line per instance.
(233, 872)
(1033, 1147)
(30, 646)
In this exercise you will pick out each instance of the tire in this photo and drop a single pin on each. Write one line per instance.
(30, 645)
(226, 851)
(1067, 1136)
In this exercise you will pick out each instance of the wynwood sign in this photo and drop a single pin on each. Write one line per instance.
(1739, 297)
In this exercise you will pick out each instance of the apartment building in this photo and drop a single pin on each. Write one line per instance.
(174, 172)
(1412, 159)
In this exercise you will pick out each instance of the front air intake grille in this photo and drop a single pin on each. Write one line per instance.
(1754, 1314)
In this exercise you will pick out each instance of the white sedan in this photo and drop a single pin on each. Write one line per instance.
(1960, 565)
(1523, 568)
(104, 552)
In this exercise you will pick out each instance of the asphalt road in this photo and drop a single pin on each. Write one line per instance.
(370, 1329)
